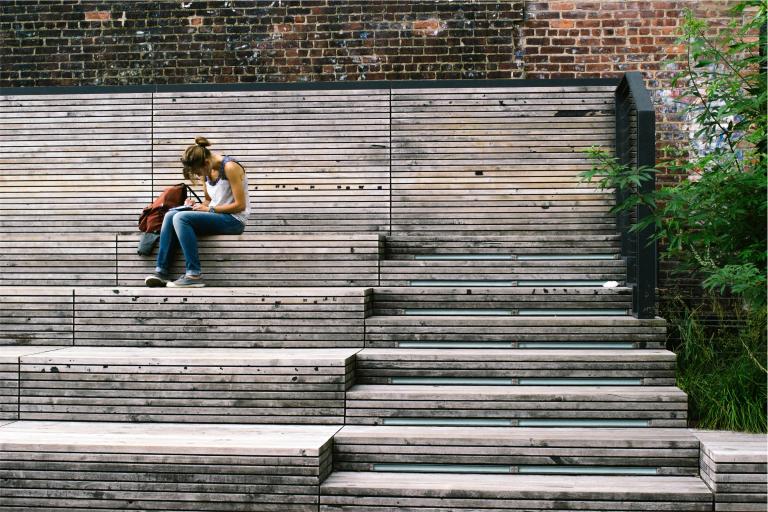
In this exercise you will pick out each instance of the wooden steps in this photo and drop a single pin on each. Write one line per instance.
(734, 466)
(200, 385)
(515, 367)
(494, 269)
(250, 259)
(483, 331)
(490, 450)
(516, 406)
(438, 492)
(123, 466)
(205, 317)
(511, 244)
(501, 300)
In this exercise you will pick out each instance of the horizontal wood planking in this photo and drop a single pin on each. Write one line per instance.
(650, 367)
(221, 317)
(269, 259)
(75, 163)
(410, 299)
(400, 272)
(734, 466)
(376, 404)
(84, 259)
(117, 466)
(384, 331)
(10, 357)
(668, 451)
(187, 385)
(36, 316)
(511, 244)
(367, 491)
(460, 154)
(315, 159)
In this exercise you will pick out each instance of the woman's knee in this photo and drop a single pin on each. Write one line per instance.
(180, 219)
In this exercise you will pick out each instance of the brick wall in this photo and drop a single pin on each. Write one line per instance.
(70, 42)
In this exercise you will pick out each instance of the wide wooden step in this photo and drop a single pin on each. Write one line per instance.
(437, 492)
(517, 406)
(498, 271)
(522, 367)
(734, 466)
(123, 466)
(513, 331)
(250, 259)
(644, 451)
(289, 317)
(201, 385)
(514, 244)
(482, 299)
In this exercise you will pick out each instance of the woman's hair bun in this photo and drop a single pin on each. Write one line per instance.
(202, 141)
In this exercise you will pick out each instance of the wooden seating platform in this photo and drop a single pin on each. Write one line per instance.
(498, 270)
(734, 466)
(123, 466)
(200, 385)
(510, 331)
(490, 450)
(438, 492)
(204, 317)
(517, 406)
(515, 367)
(501, 300)
(250, 259)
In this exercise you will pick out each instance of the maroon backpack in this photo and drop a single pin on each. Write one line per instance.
(151, 219)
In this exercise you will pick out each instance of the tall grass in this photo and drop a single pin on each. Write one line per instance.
(721, 359)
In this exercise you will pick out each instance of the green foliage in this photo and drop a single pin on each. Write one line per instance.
(721, 366)
(714, 222)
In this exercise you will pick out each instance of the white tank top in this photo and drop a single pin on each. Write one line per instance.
(220, 192)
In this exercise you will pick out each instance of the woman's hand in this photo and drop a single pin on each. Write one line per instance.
(200, 207)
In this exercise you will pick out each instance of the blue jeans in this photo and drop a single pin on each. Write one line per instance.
(183, 228)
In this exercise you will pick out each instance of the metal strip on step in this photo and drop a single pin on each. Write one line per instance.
(459, 312)
(477, 284)
(561, 282)
(565, 257)
(477, 257)
(573, 312)
(450, 381)
(578, 382)
(447, 422)
(582, 423)
(586, 470)
(586, 345)
(456, 344)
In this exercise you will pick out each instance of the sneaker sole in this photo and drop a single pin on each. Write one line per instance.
(154, 282)
(196, 285)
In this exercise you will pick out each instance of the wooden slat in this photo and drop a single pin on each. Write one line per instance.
(390, 331)
(365, 491)
(648, 367)
(251, 259)
(376, 404)
(667, 451)
(187, 385)
(114, 466)
(221, 317)
(36, 316)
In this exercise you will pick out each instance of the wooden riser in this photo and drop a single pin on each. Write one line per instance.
(204, 317)
(350, 491)
(185, 385)
(400, 245)
(505, 450)
(387, 366)
(513, 406)
(299, 259)
(111, 466)
(734, 466)
(500, 300)
(404, 272)
(514, 331)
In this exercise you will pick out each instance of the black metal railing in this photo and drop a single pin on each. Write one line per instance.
(636, 146)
